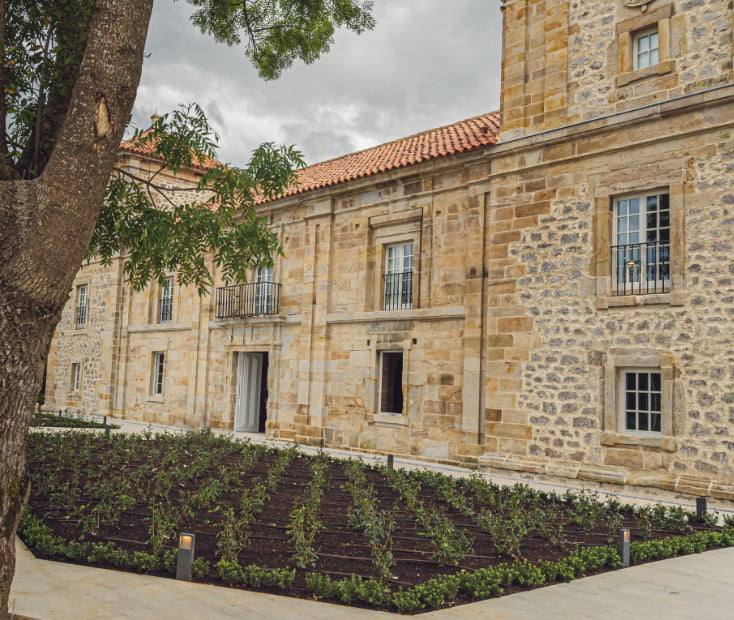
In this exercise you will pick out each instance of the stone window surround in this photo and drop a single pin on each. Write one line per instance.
(604, 224)
(614, 431)
(391, 229)
(154, 303)
(626, 30)
(389, 419)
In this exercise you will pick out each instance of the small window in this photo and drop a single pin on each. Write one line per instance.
(82, 305)
(641, 251)
(264, 291)
(76, 377)
(645, 48)
(398, 276)
(640, 400)
(157, 374)
(391, 382)
(165, 302)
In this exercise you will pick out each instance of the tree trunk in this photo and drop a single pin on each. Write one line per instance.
(45, 228)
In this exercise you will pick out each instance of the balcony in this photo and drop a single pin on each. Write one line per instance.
(242, 300)
(641, 268)
(398, 291)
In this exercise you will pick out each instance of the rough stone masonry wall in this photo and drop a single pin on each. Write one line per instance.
(552, 329)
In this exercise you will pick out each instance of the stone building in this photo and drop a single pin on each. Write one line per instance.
(552, 293)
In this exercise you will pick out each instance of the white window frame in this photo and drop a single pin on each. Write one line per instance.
(647, 397)
(76, 377)
(646, 48)
(399, 261)
(165, 302)
(263, 290)
(382, 369)
(82, 306)
(157, 374)
(631, 225)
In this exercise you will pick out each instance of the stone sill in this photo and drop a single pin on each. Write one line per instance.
(157, 327)
(262, 320)
(426, 314)
(663, 67)
(622, 301)
(155, 399)
(389, 419)
(659, 442)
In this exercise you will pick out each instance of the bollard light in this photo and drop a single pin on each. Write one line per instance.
(185, 556)
(701, 507)
(390, 461)
(624, 546)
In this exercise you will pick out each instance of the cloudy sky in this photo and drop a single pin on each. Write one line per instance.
(427, 63)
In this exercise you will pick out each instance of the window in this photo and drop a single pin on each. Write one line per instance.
(640, 407)
(398, 276)
(391, 382)
(640, 255)
(165, 302)
(645, 50)
(640, 399)
(82, 305)
(156, 388)
(76, 377)
(263, 290)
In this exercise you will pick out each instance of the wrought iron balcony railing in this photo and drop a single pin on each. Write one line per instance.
(255, 299)
(398, 291)
(641, 268)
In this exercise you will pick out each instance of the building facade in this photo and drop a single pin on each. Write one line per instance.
(552, 293)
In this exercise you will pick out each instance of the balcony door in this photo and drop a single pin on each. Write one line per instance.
(251, 393)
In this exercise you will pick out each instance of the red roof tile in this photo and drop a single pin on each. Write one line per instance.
(134, 145)
(460, 137)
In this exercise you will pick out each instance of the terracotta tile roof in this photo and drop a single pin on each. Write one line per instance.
(460, 137)
(134, 146)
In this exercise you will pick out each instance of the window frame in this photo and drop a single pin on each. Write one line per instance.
(639, 392)
(81, 311)
(157, 375)
(398, 298)
(75, 383)
(165, 302)
(643, 285)
(263, 301)
(638, 38)
(382, 395)
(628, 32)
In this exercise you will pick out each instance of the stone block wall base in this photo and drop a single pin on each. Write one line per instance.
(606, 475)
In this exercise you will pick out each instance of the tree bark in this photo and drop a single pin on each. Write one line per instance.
(45, 228)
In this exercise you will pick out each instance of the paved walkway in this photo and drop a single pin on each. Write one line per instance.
(692, 587)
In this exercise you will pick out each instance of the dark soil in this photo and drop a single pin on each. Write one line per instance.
(70, 482)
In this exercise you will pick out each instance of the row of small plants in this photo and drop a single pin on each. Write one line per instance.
(92, 487)
(67, 420)
(438, 592)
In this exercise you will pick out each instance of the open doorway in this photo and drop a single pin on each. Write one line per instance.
(251, 399)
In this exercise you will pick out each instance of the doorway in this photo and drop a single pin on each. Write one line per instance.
(251, 396)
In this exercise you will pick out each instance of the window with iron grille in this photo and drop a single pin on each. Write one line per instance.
(165, 302)
(159, 360)
(398, 288)
(640, 255)
(640, 400)
(82, 306)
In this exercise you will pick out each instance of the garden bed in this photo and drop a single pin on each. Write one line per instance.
(314, 527)
(64, 420)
